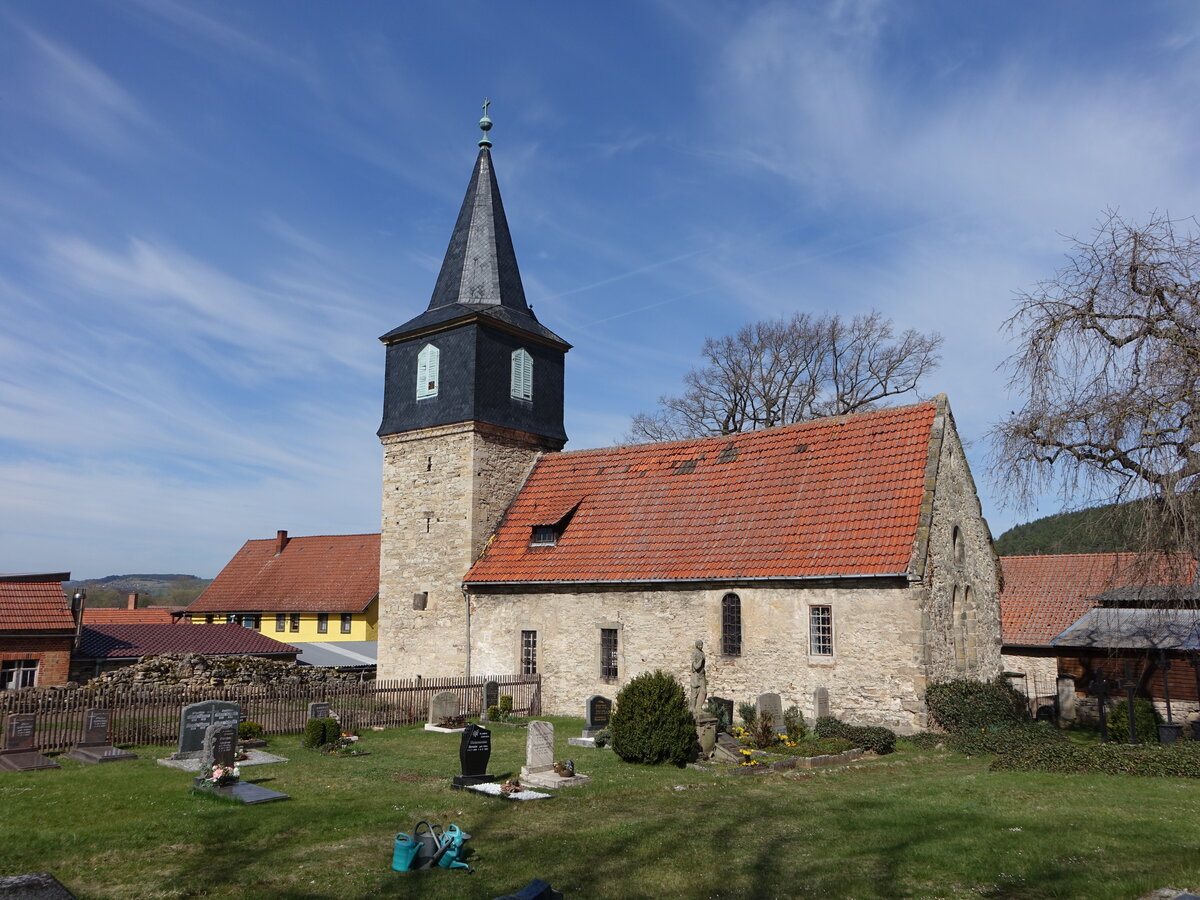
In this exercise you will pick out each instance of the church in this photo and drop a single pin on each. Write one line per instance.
(842, 563)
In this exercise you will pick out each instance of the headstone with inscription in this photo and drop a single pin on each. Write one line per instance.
(597, 715)
(538, 770)
(820, 702)
(220, 747)
(770, 704)
(96, 747)
(19, 753)
(194, 720)
(319, 709)
(444, 711)
(474, 751)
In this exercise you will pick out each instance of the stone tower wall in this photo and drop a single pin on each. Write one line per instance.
(445, 490)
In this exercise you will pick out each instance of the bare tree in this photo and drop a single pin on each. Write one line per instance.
(788, 370)
(1109, 371)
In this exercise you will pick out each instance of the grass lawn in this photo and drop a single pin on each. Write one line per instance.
(915, 824)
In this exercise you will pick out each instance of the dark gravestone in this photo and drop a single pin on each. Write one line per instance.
(491, 695)
(19, 753)
(770, 704)
(726, 706)
(220, 747)
(474, 751)
(319, 709)
(598, 713)
(195, 719)
(96, 747)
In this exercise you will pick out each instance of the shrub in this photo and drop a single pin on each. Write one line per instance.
(603, 737)
(868, 737)
(319, 732)
(720, 712)
(1145, 721)
(793, 721)
(494, 714)
(978, 743)
(506, 706)
(749, 715)
(250, 731)
(1177, 760)
(763, 734)
(651, 723)
(963, 705)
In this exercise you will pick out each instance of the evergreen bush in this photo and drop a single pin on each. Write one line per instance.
(651, 723)
(749, 715)
(506, 705)
(964, 705)
(720, 712)
(869, 737)
(793, 721)
(764, 734)
(250, 731)
(1179, 760)
(1145, 721)
(314, 733)
(494, 714)
(978, 743)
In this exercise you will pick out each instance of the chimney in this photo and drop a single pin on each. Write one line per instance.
(281, 541)
(131, 601)
(78, 602)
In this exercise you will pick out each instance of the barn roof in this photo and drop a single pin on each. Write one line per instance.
(136, 641)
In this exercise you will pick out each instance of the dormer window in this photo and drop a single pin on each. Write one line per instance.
(544, 536)
(522, 375)
(427, 372)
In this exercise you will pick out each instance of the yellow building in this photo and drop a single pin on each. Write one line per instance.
(320, 593)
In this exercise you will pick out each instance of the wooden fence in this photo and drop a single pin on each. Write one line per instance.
(151, 716)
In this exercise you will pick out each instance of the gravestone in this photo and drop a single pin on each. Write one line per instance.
(19, 753)
(96, 747)
(194, 720)
(491, 694)
(727, 749)
(220, 747)
(539, 759)
(820, 702)
(726, 706)
(770, 704)
(319, 709)
(443, 707)
(597, 714)
(474, 751)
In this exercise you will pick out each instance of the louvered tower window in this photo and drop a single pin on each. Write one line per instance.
(427, 372)
(522, 375)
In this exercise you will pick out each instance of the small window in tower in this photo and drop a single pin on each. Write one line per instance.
(427, 372)
(522, 375)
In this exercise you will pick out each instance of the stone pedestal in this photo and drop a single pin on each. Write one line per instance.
(706, 734)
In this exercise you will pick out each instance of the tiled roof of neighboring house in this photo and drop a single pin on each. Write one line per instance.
(1043, 595)
(828, 498)
(34, 606)
(133, 641)
(147, 615)
(324, 573)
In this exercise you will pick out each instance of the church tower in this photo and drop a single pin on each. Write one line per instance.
(473, 393)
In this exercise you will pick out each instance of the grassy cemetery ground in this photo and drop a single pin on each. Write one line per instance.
(913, 824)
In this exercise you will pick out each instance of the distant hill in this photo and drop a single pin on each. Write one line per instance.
(155, 590)
(1101, 529)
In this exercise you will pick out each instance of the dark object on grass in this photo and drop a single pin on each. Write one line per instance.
(42, 886)
(535, 890)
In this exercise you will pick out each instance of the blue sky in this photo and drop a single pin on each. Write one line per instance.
(210, 211)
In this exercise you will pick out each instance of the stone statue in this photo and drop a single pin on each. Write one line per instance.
(699, 682)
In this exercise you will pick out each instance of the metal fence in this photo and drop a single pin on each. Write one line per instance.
(151, 715)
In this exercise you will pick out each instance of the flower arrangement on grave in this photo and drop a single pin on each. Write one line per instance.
(748, 758)
(565, 769)
(220, 775)
(452, 722)
(512, 786)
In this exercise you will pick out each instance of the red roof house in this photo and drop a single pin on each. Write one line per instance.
(37, 631)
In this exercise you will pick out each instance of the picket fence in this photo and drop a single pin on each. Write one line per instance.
(151, 715)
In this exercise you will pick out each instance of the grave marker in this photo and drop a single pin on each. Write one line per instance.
(220, 747)
(319, 709)
(19, 753)
(726, 706)
(597, 714)
(770, 704)
(474, 750)
(194, 720)
(444, 708)
(491, 694)
(96, 747)
(820, 702)
(539, 748)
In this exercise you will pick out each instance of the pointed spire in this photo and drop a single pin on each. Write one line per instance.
(480, 267)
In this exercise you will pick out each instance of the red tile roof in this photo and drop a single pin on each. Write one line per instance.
(832, 497)
(34, 606)
(134, 641)
(1043, 595)
(324, 573)
(147, 615)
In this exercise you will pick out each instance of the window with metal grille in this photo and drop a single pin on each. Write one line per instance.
(522, 375)
(322, 623)
(294, 623)
(281, 621)
(427, 372)
(528, 652)
(731, 625)
(347, 621)
(18, 673)
(608, 653)
(820, 630)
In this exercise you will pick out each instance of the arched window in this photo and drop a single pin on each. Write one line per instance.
(522, 375)
(960, 551)
(427, 372)
(731, 625)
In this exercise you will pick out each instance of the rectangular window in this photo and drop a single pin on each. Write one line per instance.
(820, 630)
(322, 623)
(528, 652)
(251, 622)
(608, 653)
(347, 622)
(281, 621)
(18, 673)
(294, 624)
(545, 535)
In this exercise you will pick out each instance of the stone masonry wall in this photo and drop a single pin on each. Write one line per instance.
(1041, 675)
(875, 677)
(444, 492)
(962, 612)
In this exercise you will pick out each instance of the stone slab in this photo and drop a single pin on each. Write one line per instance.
(582, 742)
(243, 792)
(443, 705)
(460, 781)
(552, 779)
(41, 886)
(99, 753)
(440, 730)
(254, 758)
(19, 729)
(771, 703)
(25, 761)
(539, 746)
(493, 790)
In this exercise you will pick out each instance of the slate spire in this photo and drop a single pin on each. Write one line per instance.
(480, 268)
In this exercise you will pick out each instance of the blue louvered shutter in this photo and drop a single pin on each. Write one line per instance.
(427, 372)
(522, 375)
